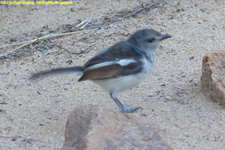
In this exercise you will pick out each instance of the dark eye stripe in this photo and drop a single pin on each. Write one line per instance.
(151, 40)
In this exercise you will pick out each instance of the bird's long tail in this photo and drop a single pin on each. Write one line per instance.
(56, 71)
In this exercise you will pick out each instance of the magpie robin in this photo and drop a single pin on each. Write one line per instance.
(120, 66)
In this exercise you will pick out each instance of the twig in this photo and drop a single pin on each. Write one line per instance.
(10, 136)
(83, 22)
(88, 21)
(139, 10)
(39, 39)
(127, 15)
(82, 25)
(3, 46)
(32, 41)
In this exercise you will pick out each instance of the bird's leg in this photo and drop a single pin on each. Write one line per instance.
(123, 108)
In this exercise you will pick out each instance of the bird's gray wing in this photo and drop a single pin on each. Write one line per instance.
(119, 60)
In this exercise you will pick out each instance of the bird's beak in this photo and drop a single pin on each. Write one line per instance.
(166, 36)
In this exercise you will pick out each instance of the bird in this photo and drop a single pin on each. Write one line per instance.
(119, 67)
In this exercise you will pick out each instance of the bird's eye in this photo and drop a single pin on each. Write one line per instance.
(151, 40)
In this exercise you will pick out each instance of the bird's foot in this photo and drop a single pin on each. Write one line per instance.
(130, 110)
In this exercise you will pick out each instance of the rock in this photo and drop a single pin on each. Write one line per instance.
(213, 76)
(96, 128)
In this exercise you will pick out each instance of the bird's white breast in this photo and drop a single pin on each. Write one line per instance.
(116, 85)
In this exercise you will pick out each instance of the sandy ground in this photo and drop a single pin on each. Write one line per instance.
(33, 114)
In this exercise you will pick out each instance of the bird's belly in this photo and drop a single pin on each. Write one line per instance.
(116, 85)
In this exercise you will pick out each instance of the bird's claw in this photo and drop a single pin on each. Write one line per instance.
(130, 110)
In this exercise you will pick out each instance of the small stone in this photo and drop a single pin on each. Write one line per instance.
(69, 62)
(97, 128)
(30, 141)
(213, 76)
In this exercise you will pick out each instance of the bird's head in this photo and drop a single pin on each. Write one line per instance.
(147, 39)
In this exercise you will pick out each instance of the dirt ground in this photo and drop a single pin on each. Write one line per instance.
(33, 114)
